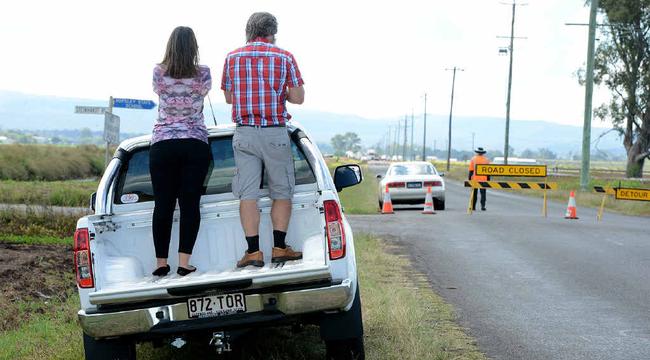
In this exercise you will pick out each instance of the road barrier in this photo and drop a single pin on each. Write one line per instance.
(536, 171)
(634, 194)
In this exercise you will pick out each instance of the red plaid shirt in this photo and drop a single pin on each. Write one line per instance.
(258, 75)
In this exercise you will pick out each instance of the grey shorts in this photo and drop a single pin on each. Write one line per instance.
(262, 149)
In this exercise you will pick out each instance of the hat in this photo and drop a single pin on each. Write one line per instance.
(480, 150)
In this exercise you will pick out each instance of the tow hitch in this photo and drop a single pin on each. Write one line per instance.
(221, 341)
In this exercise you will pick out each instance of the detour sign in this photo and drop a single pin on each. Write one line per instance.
(511, 170)
(633, 194)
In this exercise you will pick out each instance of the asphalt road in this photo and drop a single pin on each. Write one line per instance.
(529, 287)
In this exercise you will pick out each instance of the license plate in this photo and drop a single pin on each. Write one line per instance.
(216, 305)
(414, 185)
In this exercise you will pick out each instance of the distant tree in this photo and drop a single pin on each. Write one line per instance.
(346, 142)
(86, 136)
(528, 154)
(622, 64)
(544, 153)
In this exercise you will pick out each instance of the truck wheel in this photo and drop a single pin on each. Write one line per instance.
(343, 333)
(351, 349)
(120, 349)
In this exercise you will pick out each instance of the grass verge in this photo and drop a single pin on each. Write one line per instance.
(362, 198)
(403, 319)
(54, 193)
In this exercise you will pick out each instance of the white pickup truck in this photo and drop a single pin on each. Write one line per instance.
(122, 303)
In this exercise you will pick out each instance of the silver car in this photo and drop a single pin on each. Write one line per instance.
(408, 183)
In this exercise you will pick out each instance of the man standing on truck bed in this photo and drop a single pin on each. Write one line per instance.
(258, 79)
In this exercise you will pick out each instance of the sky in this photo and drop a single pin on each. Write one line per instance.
(372, 58)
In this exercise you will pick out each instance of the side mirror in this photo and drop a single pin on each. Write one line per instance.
(93, 197)
(346, 176)
(441, 174)
(380, 176)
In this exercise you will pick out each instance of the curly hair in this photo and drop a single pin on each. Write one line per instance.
(261, 24)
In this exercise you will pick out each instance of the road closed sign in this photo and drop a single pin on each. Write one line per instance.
(633, 194)
(511, 170)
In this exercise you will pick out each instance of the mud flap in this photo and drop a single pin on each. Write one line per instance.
(345, 324)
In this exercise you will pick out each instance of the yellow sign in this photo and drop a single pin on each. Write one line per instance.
(511, 170)
(633, 194)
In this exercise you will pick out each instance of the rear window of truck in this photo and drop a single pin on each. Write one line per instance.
(134, 181)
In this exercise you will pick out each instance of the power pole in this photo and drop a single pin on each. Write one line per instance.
(451, 109)
(412, 127)
(399, 132)
(511, 50)
(388, 142)
(424, 138)
(406, 124)
(589, 88)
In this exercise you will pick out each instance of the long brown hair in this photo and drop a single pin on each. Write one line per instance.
(182, 54)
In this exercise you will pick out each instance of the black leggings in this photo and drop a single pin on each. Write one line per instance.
(178, 168)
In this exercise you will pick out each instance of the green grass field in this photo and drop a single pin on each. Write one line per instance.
(50, 162)
(74, 193)
(362, 198)
(403, 319)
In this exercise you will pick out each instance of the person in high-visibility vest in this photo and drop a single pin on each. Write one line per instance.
(478, 159)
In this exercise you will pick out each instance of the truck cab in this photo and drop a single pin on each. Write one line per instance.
(122, 303)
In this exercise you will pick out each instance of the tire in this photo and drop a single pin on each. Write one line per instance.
(439, 204)
(343, 333)
(114, 349)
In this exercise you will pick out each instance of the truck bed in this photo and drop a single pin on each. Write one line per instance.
(125, 257)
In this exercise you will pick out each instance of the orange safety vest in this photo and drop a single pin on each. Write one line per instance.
(478, 160)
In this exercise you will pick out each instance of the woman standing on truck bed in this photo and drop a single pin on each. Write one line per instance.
(180, 155)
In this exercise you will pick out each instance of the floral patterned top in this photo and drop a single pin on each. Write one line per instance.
(180, 109)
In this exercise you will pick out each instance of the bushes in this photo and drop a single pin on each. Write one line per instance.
(50, 162)
(56, 193)
(38, 222)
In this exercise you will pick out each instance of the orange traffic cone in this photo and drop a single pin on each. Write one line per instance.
(571, 211)
(428, 203)
(387, 208)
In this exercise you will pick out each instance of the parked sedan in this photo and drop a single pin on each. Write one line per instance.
(408, 183)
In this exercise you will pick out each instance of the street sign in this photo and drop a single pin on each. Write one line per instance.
(511, 170)
(90, 110)
(633, 194)
(111, 128)
(133, 104)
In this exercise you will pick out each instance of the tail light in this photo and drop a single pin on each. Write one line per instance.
(432, 183)
(82, 260)
(335, 231)
(396, 184)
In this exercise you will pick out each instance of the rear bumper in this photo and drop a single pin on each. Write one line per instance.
(140, 321)
(414, 194)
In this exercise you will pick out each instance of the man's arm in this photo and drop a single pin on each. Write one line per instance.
(296, 95)
(228, 95)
